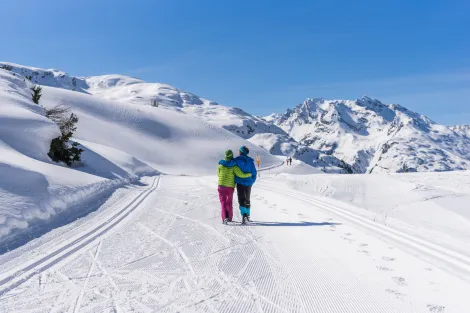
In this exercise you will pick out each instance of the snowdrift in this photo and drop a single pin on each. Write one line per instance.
(433, 206)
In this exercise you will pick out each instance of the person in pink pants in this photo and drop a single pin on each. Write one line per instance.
(226, 202)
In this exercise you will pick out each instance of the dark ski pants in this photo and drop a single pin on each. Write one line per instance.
(244, 194)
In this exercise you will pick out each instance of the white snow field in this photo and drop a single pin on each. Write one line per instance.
(162, 248)
(137, 228)
(122, 143)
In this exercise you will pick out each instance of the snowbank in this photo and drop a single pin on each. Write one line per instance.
(32, 188)
(431, 205)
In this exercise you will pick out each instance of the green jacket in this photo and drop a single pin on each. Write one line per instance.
(227, 175)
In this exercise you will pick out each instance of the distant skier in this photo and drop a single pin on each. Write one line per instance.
(227, 186)
(290, 160)
(247, 165)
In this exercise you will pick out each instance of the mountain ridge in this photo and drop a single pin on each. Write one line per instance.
(349, 136)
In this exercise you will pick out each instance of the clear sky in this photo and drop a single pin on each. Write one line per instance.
(260, 55)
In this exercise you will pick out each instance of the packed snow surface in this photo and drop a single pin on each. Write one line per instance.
(137, 227)
(162, 248)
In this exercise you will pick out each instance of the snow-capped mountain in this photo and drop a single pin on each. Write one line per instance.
(135, 91)
(463, 130)
(372, 137)
(362, 136)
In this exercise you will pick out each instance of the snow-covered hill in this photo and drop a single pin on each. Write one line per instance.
(373, 137)
(122, 143)
(135, 91)
(316, 243)
(362, 136)
(463, 130)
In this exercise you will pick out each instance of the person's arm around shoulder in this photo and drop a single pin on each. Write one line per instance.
(237, 171)
(226, 163)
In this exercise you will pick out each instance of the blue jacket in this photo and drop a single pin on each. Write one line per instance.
(247, 165)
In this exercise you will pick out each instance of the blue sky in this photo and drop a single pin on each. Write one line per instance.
(263, 56)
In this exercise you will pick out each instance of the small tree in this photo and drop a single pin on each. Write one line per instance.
(36, 93)
(61, 150)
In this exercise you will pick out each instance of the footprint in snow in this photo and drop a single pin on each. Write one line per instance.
(363, 251)
(348, 234)
(436, 308)
(400, 281)
(364, 245)
(395, 292)
(389, 259)
(347, 239)
(384, 269)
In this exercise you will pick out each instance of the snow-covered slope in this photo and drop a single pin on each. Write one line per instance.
(373, 137)
(172, 142)
(31, 186)
(317, 243)
(463, 130)
(362, 136)
(135, 91)
(122, 142)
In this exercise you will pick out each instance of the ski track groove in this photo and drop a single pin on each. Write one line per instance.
(179, 251)
(212, 229)
(27, 271)
(187, 261)
(451, 259)
(78, 302)
(117, 307)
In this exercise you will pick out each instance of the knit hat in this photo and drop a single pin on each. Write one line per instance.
(244, 150)
(228, 155)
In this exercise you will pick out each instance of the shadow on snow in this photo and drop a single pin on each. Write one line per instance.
(255, 223)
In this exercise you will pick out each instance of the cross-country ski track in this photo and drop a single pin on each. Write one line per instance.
(162, 248)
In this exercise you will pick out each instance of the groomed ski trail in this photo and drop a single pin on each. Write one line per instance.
(173, 254)
(25, 271)
(448, 259)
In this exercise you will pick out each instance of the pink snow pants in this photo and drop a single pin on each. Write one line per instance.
(226, 202)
